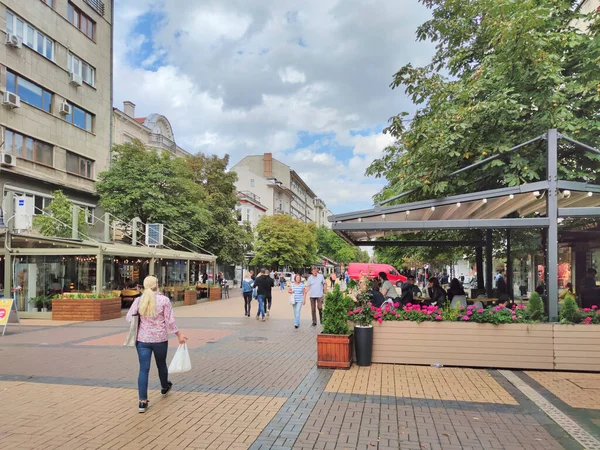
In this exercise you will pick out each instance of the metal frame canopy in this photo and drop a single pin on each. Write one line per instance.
(533, 205)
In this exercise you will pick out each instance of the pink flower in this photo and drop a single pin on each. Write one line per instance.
(350, 313)
(408, 305)
(461, 308)
(594, 307)
(520, 307)
(480, 310)
(380, 320)
(514, 317)
(394, 313)
(372, 308)
(388, 309)
(587, 309)
(469, 313)
(587, 320)
(438, 317)
(514, 307)
(396, 305)
(465, 318)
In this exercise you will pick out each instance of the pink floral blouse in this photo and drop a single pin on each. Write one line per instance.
(157, 328)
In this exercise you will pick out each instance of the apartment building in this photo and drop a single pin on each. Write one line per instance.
(586, 7)
(280, 189)
(55, 117)
(154, 130)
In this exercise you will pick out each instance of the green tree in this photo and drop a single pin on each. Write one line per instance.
(153, 186)
(58, 218)
(224, 236)
(282, 240)
(503, 72)
(333, 246)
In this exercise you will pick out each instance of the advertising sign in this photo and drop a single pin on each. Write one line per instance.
(8, 313)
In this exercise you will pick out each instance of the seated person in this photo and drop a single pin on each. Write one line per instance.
(409, 290)
(437, 295)
(378, 297)
(387, 289)
(567, 291)
(455, 289)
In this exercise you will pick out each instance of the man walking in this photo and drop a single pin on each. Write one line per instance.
(263, 288)
(316, 285)
(269, 297)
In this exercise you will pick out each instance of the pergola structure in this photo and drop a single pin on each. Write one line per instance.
(539, 205)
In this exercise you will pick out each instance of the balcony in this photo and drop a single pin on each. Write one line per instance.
(97, 5)
(158, 140)
(250, 196)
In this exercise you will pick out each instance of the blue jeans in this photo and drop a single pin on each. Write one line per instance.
(261, 306)
(281, 285)
(297, 309)
(145, 350)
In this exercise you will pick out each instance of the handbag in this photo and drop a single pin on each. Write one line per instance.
(292, 300)
(131, 338)
(181, 361)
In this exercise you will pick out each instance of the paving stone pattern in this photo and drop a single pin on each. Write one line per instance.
(254, 385)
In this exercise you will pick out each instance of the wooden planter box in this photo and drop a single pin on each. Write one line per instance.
(87, 309)
(190, 297)
(516, 346)
(577, 347)
(334, 350)
(215, 293)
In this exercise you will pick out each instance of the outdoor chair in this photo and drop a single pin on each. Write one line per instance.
(478, 305)
(459, 300)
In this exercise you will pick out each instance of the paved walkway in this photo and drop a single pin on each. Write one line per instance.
(254, 385)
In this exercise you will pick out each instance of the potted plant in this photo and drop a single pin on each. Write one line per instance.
(190, 296)
(362, 316)
(334, 344)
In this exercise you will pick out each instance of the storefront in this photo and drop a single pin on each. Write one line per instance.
(43, 267)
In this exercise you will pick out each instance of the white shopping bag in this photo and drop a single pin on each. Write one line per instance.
(181, 361)
(292, 299)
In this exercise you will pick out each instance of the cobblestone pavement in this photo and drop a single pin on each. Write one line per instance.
(254, 385)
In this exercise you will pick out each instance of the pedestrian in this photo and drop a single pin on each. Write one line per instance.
(204, 277)
(247, 285)
(281, 281)
(298, 290)
(332, 281)
(316, 285)
(269, 297)
(156, 321)
(263, 287)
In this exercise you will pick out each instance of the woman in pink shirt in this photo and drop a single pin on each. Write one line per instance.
(156, 322)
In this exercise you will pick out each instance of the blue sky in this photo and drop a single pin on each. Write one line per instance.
(307, 81)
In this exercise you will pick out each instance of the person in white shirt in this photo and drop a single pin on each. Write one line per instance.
(316, 291)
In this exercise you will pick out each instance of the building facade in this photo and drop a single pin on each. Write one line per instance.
(280, 189)
(55, 117)
(586, 7)
(154, 130)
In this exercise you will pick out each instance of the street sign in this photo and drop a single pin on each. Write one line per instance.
(8, 313)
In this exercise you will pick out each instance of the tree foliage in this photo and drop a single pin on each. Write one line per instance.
(331, 245)
(284, 241)
(503, 72)
(194, 198)
(58, 218)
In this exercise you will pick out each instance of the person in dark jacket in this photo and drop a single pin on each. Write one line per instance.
(409, 290)
(455, 289)
(437, 294)
(263, 284)
(378, 297)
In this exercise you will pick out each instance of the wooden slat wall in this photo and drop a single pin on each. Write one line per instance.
(577, 347)
(516, 346)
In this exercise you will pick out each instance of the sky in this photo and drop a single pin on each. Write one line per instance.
(305, 80)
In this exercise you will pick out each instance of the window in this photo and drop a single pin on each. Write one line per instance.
(81, 68)
(28, 148)
(81, 21)
(89, 213)
(31, 37)
(252, 182)
(238, 211)
(79, 165)
(29, 92)
(40, 202)
(80, 118)
(50, 3)
(248, 215)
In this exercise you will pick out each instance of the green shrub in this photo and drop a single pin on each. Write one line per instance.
(535, 307)
(335, 312)
(569, 311)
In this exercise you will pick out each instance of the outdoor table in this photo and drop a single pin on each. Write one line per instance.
(484, 300)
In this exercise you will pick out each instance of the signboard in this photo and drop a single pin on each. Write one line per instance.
(8, 313)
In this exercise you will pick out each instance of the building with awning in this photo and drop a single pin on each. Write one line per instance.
(544, 205)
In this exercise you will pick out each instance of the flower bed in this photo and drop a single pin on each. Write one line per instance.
(86, 307)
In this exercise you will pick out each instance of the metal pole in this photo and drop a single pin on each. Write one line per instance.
(8, 275)
(75, 223)
(479, 267)
(509, 267)
(488, 263)
(99, 272)
(552, 212)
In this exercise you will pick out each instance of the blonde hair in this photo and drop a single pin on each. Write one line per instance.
(147, 305)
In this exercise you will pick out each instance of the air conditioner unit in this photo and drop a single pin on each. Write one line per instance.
(75, 79)
(11, 100)
(65, 109)
(12, 40)
(7, 160)
(154, 234)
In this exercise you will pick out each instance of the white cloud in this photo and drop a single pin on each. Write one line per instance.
(242, 77)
